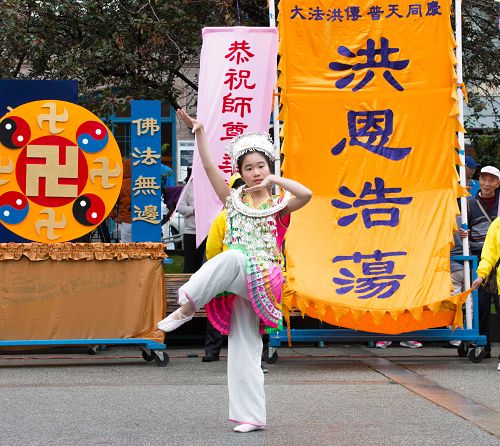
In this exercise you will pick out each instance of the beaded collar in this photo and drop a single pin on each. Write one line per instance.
(254, 230)
(240, 206)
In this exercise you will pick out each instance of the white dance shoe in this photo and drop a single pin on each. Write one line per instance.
(170, 324)
(244, 428)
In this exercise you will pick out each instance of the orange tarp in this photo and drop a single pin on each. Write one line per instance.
(81, 291)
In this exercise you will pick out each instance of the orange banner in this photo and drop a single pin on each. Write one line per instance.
(370, 118)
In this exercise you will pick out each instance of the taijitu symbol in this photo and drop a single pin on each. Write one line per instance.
(89, 209)
(15, 132)
(13, 207)
(92, 136)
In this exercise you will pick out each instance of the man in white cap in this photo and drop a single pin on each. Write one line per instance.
(482, 210)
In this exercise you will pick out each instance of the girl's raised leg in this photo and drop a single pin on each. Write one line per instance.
(224, 272)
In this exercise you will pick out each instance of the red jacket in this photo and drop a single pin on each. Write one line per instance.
(125, 197)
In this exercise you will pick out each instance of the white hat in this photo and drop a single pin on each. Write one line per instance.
(491, 170)
(250, 142)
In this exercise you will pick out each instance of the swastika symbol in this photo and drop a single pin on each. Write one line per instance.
(52, 117)
(105, 173)
(7, 168)
(50, 224)
(52, 171)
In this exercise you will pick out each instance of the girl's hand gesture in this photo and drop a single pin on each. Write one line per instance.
(190, 122)
(264, 185)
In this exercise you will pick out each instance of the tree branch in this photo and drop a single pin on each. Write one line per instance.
(186, 80)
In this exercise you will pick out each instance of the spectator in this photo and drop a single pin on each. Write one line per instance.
(215, 245)
(489, 258)
(167, 177)
(457, 268)
(482, 210)
(193, 256)
(124, 204)
(470, 174)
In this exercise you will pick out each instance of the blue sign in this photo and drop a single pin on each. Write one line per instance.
(145, 157)
(14, 93)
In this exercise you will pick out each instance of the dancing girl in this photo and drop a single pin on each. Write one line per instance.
(250, 268)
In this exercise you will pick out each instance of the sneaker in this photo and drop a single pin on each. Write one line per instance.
(498, 368)
(411, 344)
(455, 343)
(383, 344)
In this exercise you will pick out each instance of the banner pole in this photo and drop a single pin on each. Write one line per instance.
(461, 141)
(276, 123)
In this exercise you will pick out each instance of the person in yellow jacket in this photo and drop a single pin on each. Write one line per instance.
(215, 238)
(215, 245)
(489, 258)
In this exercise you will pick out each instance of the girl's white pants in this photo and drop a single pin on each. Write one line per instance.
(227, 272)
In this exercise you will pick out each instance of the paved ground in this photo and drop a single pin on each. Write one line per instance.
(339, 395)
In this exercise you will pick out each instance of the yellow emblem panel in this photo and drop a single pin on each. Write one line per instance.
(60, 171)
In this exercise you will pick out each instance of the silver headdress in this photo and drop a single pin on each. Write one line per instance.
(250, 142)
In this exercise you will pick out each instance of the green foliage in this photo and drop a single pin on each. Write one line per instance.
(487, 149)
(481, 44)
(117, 50)
(481, 48)
(123, 49)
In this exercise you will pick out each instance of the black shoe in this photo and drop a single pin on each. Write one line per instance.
(210, 358)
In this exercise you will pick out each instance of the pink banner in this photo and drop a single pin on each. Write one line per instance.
(237, 77)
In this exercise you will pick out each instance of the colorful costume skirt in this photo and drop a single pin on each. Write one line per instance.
(264, 288)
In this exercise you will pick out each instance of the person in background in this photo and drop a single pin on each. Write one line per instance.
(215, 245)
(457, 268)
(408, 344)
(124, 218)
(489, 258)
(482, 209)
(193, 256)
(470, 175)
(167, 177)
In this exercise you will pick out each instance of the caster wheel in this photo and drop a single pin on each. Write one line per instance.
(463, 349)
(92, 350)
(477, 354)
(148, 355)
(161, 358)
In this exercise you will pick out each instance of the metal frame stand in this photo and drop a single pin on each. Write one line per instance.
(472, 342)
(151, 350)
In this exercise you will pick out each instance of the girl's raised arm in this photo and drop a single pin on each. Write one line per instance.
(216, 180)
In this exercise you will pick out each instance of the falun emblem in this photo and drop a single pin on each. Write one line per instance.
(60, 171)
